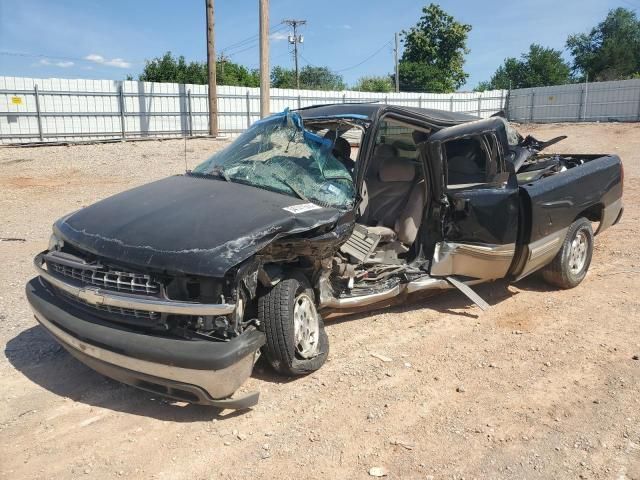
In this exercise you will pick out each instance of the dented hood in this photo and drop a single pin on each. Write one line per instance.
(192, 225)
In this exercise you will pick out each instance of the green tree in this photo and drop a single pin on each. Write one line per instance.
(611, 51)
(483, 86)
(229, 73)
(538, 67)
(283, 77)
(176, 70)
(434, 51)
(312, 78)
(374, 84)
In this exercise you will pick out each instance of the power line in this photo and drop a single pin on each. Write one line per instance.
(249, 46)
(387, 44)
(278, 27)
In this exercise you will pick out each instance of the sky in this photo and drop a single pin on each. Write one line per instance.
(111, 39)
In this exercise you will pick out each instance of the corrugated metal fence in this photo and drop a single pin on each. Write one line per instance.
(50, 110)
(617, 101)
(46, 110)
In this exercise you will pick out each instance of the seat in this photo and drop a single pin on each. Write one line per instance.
(465, 162)
(341, 150)
(395, 202)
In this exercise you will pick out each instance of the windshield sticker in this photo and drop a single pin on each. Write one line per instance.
(303, 207)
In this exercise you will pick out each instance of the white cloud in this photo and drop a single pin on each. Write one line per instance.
(94, 57)
(344, 26)
(117, 62)
(61, 64)
(278, 36)
(114, 62)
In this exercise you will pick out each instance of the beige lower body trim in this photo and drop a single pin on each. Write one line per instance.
(542, 251)
(479, 261)
(218, 383)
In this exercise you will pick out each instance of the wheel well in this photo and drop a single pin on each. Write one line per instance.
(593, 213)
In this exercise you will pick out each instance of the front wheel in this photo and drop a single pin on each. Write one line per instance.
(297, 343)
(571, 264)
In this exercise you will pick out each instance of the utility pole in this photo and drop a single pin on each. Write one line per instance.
(295, 39)
(211, 65)
(222, 59)
(395, 57)
(264, 58)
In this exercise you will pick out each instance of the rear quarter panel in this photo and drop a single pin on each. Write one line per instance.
(555, 202)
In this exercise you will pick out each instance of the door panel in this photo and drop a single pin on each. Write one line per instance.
(479, 220)
(485, 213)
(480, 229)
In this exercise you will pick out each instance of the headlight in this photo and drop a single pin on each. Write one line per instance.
(55, 243)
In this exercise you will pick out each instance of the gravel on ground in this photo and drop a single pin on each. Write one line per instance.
(546, 384)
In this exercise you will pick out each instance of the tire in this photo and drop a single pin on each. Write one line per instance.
(276, 311)
(570, 265)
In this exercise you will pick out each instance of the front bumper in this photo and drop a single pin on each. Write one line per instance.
(97, 296)
(197, 371)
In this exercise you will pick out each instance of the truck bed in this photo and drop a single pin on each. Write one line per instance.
(558, 189)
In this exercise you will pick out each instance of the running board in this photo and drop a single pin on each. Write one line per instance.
(466, 289)
(418, 285)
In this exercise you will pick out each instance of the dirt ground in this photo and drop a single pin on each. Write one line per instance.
(543, 385)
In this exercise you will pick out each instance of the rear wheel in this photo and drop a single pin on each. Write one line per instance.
(297, 343)
(571, 264)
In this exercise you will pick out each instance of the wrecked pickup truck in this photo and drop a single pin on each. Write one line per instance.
(178, 286)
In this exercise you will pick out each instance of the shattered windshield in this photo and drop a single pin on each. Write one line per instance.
(279, 154)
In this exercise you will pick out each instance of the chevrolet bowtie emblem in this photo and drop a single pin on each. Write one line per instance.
(91, 295)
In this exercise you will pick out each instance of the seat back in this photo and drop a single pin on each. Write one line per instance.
(410, 219)
(465, 162)
(395, 198)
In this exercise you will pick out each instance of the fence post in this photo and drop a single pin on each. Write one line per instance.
(420, 101)
(586, 98)
(248, 105)
(299, 102)
(639, 104)
(479, 103)
(507, 101)
(189, 110)
(451, 104)
(35, 92)
(533, 97)
(121, 101)
(581, 106)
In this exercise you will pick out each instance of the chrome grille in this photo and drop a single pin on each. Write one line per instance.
(109, 279)
(125, 312)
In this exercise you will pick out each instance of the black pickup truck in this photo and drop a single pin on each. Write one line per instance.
(178, 286)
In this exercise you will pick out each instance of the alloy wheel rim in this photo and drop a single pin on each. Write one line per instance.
(578, 253)
(306, 326)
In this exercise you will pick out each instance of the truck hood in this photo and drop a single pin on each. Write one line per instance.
(187, 224)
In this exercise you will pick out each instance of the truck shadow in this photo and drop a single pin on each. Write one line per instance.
(38, 356)
(35, 354)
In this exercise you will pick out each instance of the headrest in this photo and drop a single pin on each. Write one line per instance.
(419, 136)
(397, 170)
(342, 147)
(384, 151)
